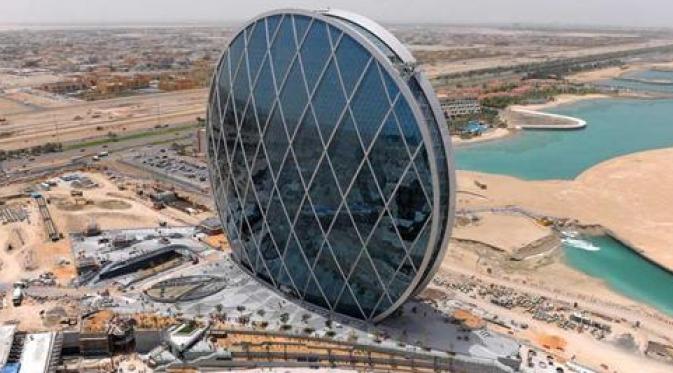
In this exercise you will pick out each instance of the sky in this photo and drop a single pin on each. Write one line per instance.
(645, 13)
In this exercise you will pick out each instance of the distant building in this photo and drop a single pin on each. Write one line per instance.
(67, 86)
(458, 107)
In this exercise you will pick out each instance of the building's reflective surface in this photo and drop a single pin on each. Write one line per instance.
(329, 168)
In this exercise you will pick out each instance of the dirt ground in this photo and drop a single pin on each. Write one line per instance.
(78, 121)
(506, 232)
(629, 195)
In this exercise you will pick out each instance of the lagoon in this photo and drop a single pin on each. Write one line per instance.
(615, 127)
(622, 269)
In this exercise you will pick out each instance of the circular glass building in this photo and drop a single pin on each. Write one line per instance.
(330, 161)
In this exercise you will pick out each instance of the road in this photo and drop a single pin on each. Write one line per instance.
(95, 119)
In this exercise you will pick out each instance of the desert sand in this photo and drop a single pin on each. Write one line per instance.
(630, 195)
(80, 121)
(505, 232)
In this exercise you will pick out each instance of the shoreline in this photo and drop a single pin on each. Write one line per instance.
(566, 99)
(491, 135)
(567, 195)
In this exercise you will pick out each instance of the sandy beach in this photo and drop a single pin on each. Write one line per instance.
(628, 195)
(493, 134)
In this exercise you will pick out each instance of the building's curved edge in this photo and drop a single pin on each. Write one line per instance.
(451, 175)
(437, 245)
(379, 31)
(405, 56)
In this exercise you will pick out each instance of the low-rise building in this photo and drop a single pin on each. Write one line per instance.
(457, 107)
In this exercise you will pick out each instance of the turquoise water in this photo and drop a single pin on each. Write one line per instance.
(652, 75)
(643, 86)
(623, 270)
(615, 127)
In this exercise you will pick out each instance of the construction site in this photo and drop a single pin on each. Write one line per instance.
(122, 257)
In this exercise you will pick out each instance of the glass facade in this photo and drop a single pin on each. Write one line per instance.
(329, 169)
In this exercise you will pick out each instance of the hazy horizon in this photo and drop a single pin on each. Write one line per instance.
(624, 13)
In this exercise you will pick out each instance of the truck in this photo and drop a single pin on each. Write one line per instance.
(17, 296)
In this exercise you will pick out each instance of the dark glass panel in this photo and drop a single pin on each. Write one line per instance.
(241, 89)
(282, 277)
(236, 53)
(275, 141)
(352, 58)
(402, 281)
(295, 263)
(301, 23)
(290, 187)
(261, 270)
(283, 49)
(307, 147)
(253, 213)
(238, 170)
(308, 232)
(272, 23)
(419, 248)
(423, 173)
(364, 202)
(409, 208)
(267, 249)
(264, 94)
(229, 134)
(257, 47)
(370, 105)
(366, 287)
(325, 194)
(384, 304)
(293, 98)
(250, 134)
(261, 178)
(314, 295)
(328, 101)
(329, 277)
(347, 305)
(233, 207)
(314, 52)
(223, 83)
(344, 242)
(391, 86)
(278, 224)
(408, 124)
(247, 241)
(334, 35)
(388, 158)
(345, 152)
(386, 249)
